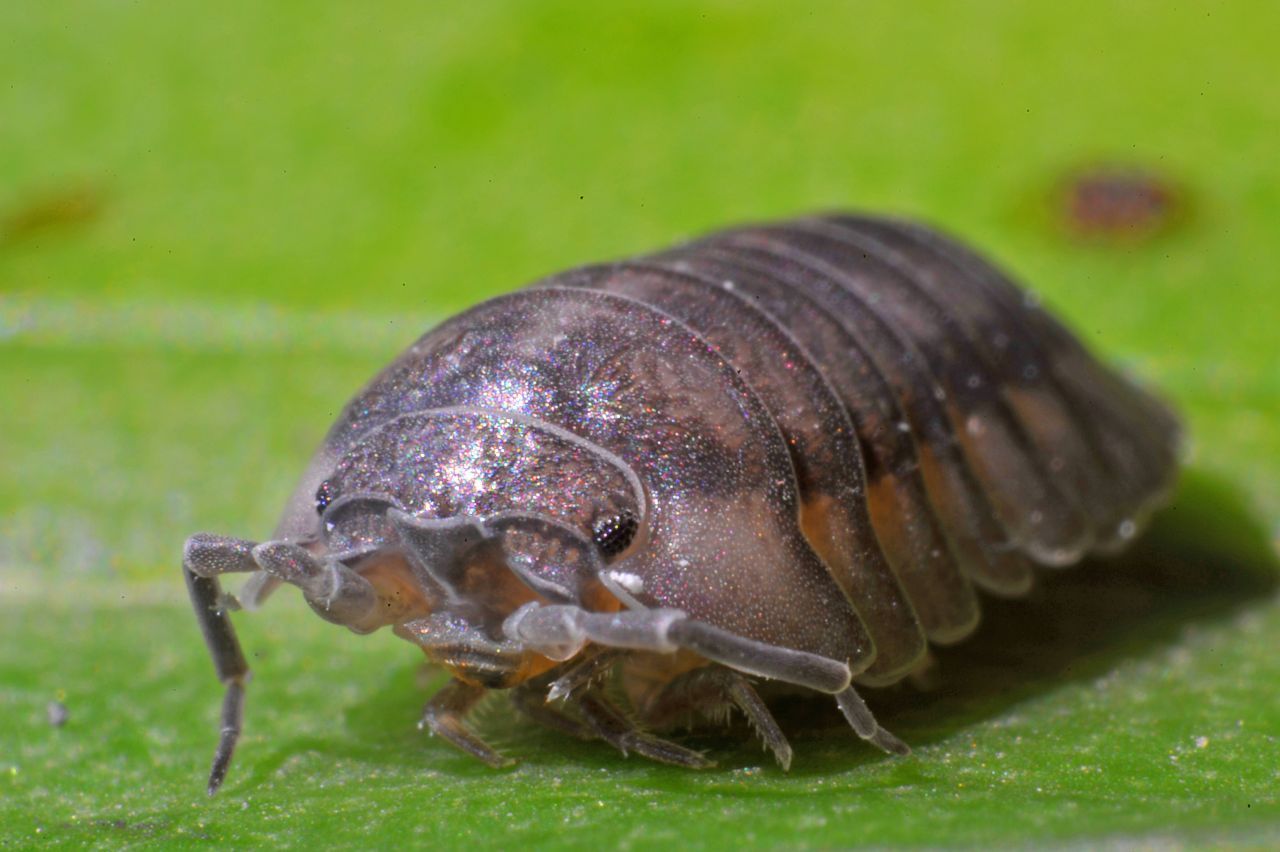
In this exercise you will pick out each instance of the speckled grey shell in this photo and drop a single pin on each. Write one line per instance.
(834, 428)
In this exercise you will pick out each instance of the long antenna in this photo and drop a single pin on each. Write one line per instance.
(204, 557)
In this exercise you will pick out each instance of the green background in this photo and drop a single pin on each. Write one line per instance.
(217, 221)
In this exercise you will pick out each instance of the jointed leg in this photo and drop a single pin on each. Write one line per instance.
(444, 713)
(713, 690)
(531, 701)
(582, 674)
(766, 727)
(612, 726)
(575, 685)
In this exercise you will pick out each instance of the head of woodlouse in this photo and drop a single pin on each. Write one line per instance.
(458, 519)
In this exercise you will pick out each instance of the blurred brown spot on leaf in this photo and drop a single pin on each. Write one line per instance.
(1118, 204)
(51, 209)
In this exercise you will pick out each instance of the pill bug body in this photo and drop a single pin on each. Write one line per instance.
(792, 451)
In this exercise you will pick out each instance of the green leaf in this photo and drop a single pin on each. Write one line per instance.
(216, 223)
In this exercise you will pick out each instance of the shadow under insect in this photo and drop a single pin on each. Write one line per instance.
(1203, 558)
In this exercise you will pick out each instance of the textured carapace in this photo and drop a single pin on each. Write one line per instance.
(792, 451)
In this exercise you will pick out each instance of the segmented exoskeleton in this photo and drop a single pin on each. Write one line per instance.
(788, 451)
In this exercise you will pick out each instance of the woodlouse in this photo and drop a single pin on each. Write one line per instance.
(791, 451)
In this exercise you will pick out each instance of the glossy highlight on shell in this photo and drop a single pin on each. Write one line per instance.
(791, 453)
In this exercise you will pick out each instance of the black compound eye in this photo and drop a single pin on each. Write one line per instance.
(614, 533)
(324, 496)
